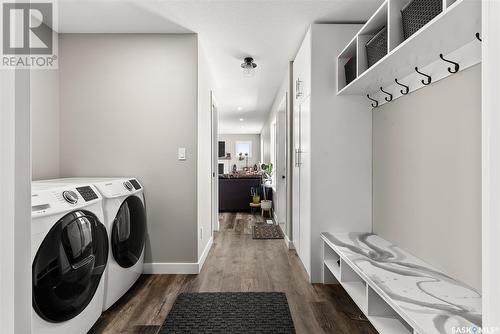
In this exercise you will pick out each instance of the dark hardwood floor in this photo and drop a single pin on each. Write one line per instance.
(237, 262)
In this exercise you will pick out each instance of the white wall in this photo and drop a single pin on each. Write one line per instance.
(265, 137)
(282, 215)
(231, 140)
(45, 124)
(427, 174)
(266, 128)
(128, 102)
(341, 146)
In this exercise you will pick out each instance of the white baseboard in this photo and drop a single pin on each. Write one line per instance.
(178, 268)
(275, 217)
(289, 243)
(170, 268)
(204, 255)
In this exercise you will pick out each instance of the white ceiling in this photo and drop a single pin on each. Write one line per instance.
(268, 30)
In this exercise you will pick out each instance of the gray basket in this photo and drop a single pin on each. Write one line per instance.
(350, 70)
(417, 13)
(376, 47)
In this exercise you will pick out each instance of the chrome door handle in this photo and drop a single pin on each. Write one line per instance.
(298, 161)
(298, 87)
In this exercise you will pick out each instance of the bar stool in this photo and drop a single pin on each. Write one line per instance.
(254, 207)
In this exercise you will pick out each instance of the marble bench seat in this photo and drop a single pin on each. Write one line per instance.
(398, 292)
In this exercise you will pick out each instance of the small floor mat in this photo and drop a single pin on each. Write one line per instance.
(229, 312)
(265, 231)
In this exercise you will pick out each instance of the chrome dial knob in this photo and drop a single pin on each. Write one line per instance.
(70, 196)
(128, 185)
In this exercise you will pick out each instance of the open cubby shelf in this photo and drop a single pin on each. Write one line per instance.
(394, 301)
(449, 31)
(377, 311)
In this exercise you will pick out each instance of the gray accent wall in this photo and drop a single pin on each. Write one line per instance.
(44, 105)
(128, 102)
(427, 174)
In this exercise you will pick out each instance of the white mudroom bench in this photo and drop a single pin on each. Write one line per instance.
(398, 292)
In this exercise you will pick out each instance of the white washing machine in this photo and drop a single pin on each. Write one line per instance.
(69, 253)
(125, 219)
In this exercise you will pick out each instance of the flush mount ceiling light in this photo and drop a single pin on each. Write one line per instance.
(248, 67)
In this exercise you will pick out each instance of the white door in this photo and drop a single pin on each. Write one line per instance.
(296, 179)
(304, 157)
(281, 166)
(215, 164)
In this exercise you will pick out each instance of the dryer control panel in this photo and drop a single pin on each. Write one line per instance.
(87, 193)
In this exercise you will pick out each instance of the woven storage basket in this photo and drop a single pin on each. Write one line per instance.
(417, 13)
(376, 47)
(350, 70)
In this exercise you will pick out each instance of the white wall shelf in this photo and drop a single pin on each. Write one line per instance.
(398, 293)
(377, 22)
(349, 51)
(451, 33)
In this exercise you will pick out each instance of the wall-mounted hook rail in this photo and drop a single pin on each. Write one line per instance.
(457, 66)
(375, 101)
(478, 37)
(429, 79)
(389, 98)
(406, 88)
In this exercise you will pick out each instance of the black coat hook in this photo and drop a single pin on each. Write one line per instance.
(376, 102)
(478, 37)
(457, 67)
(388, 99)
(407, 89)
(429, 79)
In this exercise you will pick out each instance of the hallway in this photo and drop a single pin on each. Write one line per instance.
(237, 262)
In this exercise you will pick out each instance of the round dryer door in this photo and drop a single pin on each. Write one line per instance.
(68, 266)
(128, 233)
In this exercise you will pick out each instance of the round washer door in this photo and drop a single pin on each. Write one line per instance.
(68, 266)
(128, 233)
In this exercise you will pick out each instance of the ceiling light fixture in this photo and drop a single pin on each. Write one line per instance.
(248, 67)
(240, 108)
(242, 119)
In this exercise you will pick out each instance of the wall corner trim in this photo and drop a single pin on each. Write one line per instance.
(289, 243)
(176, 267)
(203, 257)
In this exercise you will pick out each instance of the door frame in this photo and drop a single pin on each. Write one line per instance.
(214, 126)
(281, 149)
(15, 201)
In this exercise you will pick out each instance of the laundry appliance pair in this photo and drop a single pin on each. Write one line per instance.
(88, 238)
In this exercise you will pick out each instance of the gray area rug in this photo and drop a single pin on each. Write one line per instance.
(265, 231)
(229, 312)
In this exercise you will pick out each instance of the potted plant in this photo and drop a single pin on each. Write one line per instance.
(255, 195)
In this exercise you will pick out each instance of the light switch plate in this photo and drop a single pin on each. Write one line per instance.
(181, 154)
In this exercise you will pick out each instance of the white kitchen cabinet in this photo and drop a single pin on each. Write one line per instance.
(331, 185)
